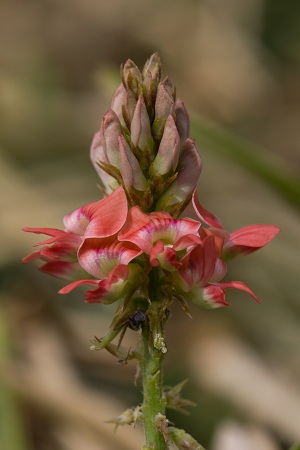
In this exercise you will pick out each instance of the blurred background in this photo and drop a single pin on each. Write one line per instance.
(236, 65)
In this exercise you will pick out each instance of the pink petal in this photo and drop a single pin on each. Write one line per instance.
(186, 241)
(199, 264)
(255, 236)
(204, 215)
(136, 219)
(60, 252)
(168, 230)
(77, 221)
(47, 231)
(64, 270)
(238, 285)
(109, 290)
(214, 296)
(100, 256)
(154, 252)
(99, 294)
(57, 235)
(107, 216)
(31, 257)
(75, 284)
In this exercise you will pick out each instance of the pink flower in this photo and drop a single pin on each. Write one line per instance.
(245, 240)
(59, 253)
(202, 268)
(160, 236)
(199, 276)
(88, 251)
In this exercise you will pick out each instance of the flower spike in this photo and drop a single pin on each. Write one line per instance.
(136, 247)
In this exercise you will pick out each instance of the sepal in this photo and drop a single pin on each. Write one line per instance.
(129, 417)
(174, 399)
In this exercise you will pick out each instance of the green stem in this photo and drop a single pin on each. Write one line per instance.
(153, 404)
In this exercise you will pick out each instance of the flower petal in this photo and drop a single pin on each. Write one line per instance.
(111, 288)
(77, 221)
(249, 239)
(75, 284)
(213, 297)
(107, 216)
(100, 256)
(238, 285)
(65, 270)
(158, 227)
(204, 215)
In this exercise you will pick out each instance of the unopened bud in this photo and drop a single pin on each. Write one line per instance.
(168, 151)
(164, 105)
(140, 127)
(153, 65)
(180, 191)
(129, 167)
(98, 156)
(182, 120)
(123, 103)
(110, 131)
(131, 77)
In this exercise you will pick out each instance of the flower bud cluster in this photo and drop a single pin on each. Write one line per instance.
(143, 142)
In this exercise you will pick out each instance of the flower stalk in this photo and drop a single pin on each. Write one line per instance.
(154, 403)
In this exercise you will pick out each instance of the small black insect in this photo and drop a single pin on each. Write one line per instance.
(138, 320)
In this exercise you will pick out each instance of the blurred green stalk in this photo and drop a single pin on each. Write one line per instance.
(12, 430)
(271, 169)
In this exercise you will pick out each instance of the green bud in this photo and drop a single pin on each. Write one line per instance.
(131, 77)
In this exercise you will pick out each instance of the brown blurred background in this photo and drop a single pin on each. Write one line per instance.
(236, 65)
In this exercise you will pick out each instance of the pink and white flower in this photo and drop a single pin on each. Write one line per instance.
(202, 268)
(160, 236)
(88, 250)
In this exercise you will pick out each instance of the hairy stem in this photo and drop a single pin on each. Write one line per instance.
(153, 404)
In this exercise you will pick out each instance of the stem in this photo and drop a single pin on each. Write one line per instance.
(153, 403)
